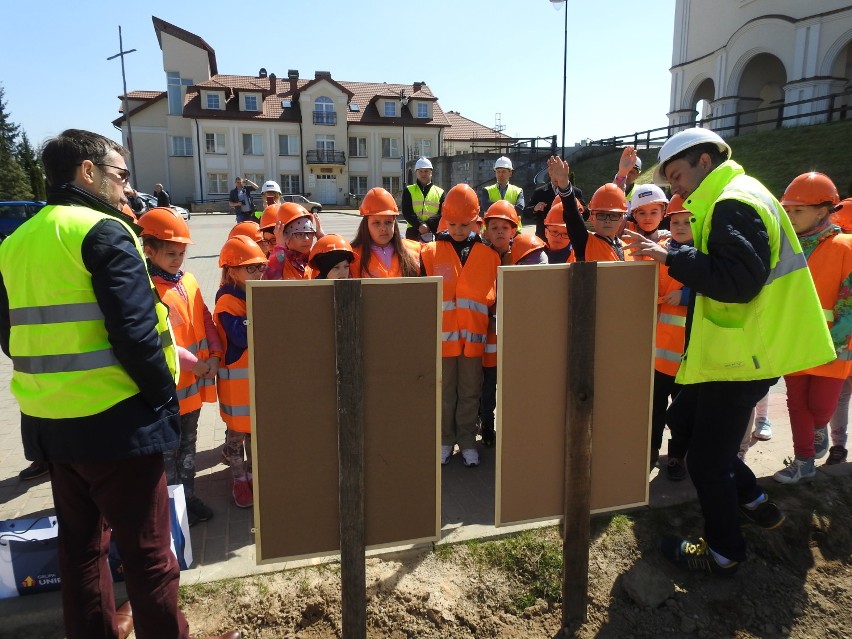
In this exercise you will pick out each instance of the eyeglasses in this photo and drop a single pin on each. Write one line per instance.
(612, 217)
(556, 234)
(302, 236)
(254, 268)
(123, 174)
(265, 240)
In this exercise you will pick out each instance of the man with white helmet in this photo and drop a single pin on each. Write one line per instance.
(754, 315)
(502, 190)
(270, 194)
(420, 202)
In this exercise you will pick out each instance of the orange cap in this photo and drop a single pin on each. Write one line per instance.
(675, 206)
(240, 250)
(555, 217)
(327, 244)
(523, 244)
(247, 228)
(503, 210)
(461, 205)
(810, 189)
(269, 216)
(377, 201)
(842, 215)
(290, 211)
(609, 197)
(165, 224)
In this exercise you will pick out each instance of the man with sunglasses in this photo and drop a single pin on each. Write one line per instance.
(94, 374)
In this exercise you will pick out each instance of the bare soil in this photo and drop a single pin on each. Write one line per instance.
(796, 583)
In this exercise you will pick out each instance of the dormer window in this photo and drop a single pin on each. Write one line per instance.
(251, 102)
(324, 111)
(214, 101)
(390, 109)
(422, 110)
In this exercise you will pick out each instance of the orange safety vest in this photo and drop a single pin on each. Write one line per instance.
(377, 266)
(290, 273)
(233, 379)
(489, 357)
(830, 264)
(599, 250)
(186, 317)
(671, 326)
(468, 292)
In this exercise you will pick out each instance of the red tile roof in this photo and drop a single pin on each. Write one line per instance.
(161, 26)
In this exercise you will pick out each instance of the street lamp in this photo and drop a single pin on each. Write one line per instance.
(557, 5)
(121, 53)
(403, 101)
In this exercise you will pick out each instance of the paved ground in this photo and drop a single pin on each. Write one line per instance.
(224, 546)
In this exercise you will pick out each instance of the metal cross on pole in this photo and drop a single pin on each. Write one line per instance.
(121, 53)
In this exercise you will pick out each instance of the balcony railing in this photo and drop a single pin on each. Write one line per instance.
(323, 156)
(325, 117)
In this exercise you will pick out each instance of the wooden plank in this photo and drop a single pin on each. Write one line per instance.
(350, 421)
(580, 403)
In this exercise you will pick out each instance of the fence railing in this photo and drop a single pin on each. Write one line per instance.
(829, 108)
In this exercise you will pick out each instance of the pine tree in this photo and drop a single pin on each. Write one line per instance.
(8, 130)
(14, 184)
(31, 164)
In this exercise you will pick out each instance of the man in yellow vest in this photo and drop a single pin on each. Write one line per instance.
(94, 369)
(502, 189)
(754, 316)
(421, 202)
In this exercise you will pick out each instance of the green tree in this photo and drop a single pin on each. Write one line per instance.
(8, 130)
(31, 164)
(14, 184)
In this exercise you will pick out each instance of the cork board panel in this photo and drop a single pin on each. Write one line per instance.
(532, 368)
(294, 415)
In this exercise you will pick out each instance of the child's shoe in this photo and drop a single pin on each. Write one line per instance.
(197, 511)
(797, 470)
(836, 455)
(820, 442)
(242, 493)
(470, 457)
(695, 556)
(762, 512)
(762, 429)
(446, 453)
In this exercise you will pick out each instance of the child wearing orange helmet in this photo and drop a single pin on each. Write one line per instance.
(295, 231)
(558, 249)
(330, 258)
(501, 225)
(241, 260)
(380, 250)
(469, 270)
(165, 236)
(812, 394)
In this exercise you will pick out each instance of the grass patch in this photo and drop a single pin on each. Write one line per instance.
(443, 552)
(188, 594)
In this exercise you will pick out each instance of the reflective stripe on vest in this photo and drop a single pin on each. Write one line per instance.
(85, 311)
(425, 206)
(490, 348)
(674, 320)
(40, 364)
(511, 196)
(829, 314)
(234, 411)
(670, 356)
(233, 373)
(187, 391)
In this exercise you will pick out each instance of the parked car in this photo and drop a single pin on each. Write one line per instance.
(313, 207)
(150, 202)
(16, 212)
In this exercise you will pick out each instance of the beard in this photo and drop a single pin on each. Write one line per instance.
(106, 191)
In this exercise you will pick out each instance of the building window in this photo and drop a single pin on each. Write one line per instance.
(390, 148)
(213, 101)
(357, 148)
(250, 103)
(174, 83)
(423, 148)
(252, 144)
(288, 145)
(214, 142)
(324, 111)
(181, 145)
(390, 108)
(257, 178)
(358, 184)
(422, 110)
(290, 183)
(392, 183)
(217, 183)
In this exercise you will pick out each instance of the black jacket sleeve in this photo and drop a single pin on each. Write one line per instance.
(123, 290)
(574, 224)
(736, 265)
(408, 209)
(5, 322)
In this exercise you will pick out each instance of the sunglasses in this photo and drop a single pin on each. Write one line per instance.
(123, 174)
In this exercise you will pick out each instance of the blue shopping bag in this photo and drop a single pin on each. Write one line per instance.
(29, 561)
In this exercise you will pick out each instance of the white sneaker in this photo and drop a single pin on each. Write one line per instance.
(797, 470)
(820, 442)
(470, 457)
(446, 453)
(762, 429)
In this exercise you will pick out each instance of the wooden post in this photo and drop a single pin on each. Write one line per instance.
(350, 443)
(578, 442)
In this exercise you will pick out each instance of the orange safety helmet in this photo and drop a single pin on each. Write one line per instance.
(609, 197)
(842, 215)
(329, 243)
(810, 189)
(675, 206)
(269, 216)
(523, 244)
(165, 224)
(502, 210)
(247, 228)
(555, 217)
(377, 201)
(289, 212)
(240, 250)
(461, 205)
(125, 208)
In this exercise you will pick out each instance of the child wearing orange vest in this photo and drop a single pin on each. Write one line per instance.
(469, 269)
(812, 394)
(241, 260)
(295, 230)
(331, 258)
(164, 238)
(380, 250)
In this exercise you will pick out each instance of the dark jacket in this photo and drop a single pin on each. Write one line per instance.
(163, 198)
(144, 424)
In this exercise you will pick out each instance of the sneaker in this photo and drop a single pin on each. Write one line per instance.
(694, 556)
(820, 442)
(797, 470)
(198, 510)
(33, 471)
(242, 493)
(836, 455)
(676, 469)
(655, 457)
(762, 429)
(765, 514)
(446, 453)
(470, 457)
(489, 436)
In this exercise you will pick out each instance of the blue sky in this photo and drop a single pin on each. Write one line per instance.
(479, 57)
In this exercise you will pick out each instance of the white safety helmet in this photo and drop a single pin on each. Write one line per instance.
(681, 142)
(638, 164)
(422, 163)
(503, 163)
(647, 194)
(270, 185)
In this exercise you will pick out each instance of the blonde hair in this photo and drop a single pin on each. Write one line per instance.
(228, 278)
